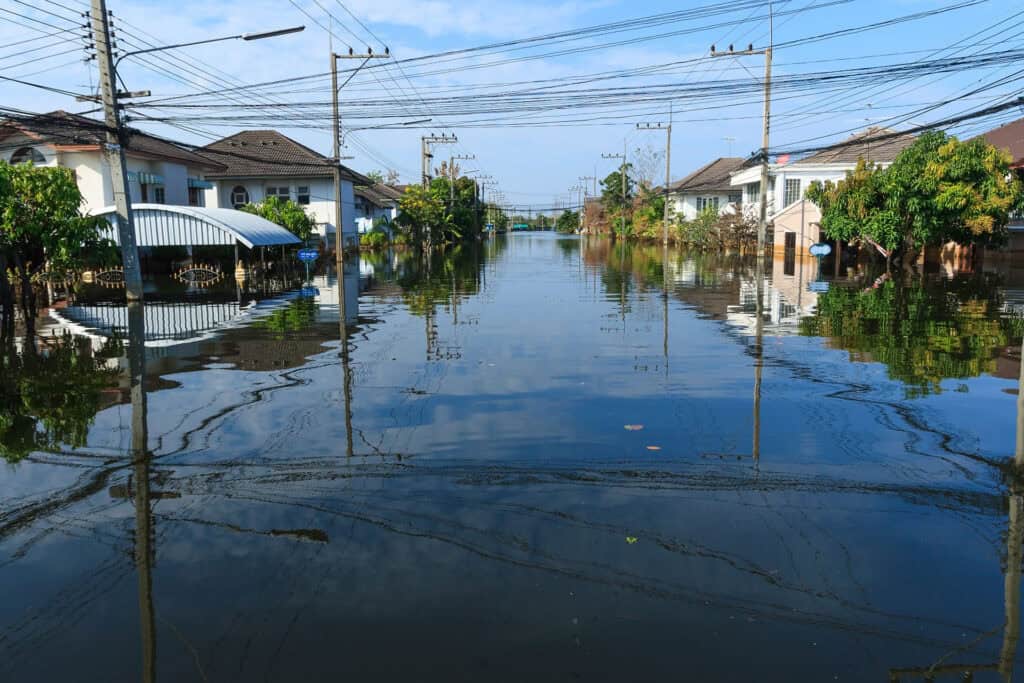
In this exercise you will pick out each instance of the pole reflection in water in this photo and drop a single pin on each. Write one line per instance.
(144, 551)
(346, 368)
(758, 355)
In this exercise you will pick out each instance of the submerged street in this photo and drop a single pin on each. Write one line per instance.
(538, 457)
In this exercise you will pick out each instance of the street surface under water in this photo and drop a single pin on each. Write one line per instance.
(530, 464)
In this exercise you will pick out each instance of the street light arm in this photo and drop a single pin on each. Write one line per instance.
(240, 36)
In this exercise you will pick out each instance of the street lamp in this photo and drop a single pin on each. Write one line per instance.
(241, 36)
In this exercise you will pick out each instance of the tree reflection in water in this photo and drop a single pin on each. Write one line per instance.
(50, 393)
(924, 331)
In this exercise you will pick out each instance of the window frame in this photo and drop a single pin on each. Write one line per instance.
(275, 191)
(786, 194)
(159, 194)
(704, 202)
(239, 191)
(31, 155)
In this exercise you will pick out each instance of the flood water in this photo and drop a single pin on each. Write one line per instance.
(528, 463)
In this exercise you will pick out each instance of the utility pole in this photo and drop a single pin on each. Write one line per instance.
(114, 151)
(426, 154)
(668, 165)
(583, 180)
(622, 172)
(762, 228)
(339, 238)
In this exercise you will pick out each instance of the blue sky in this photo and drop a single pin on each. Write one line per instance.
(533, 165)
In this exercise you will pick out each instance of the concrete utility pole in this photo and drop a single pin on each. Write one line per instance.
(583, 213)
(762, 228)
(339, 238)
(668, 165)
(114, 152)
(426, 154)
(622, 173)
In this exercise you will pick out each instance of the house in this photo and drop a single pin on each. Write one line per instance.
(796, 221)
(159, 171)
(789, 181)
(374, 204)
(1010, 137)
(257, 164)
(708, 187)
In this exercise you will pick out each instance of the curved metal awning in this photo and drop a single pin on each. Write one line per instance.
(165, 225)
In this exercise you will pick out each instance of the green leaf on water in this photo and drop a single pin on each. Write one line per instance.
(631, 539)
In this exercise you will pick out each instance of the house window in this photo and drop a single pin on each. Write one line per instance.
(705, 203)
(144, 193)
(239, 197)
(736, 198)
(281, 193)
(790, 240)
(302, 194)
(159, 195)
(27, 154)
(195, 197)
(792, 191)
(753, 192)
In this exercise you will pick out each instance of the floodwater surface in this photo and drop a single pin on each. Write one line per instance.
(524, 462)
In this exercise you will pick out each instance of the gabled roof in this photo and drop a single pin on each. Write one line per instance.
(880, 145)
(380, 194)
(61, 129)
(712, 177)
(1009, 137)
(269, 154)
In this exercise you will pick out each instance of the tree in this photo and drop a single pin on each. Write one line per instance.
(937, 190)
(287, 214)
(615, 203)
(41, 227)
(568, 222)
(421, 209)
(649, 164)
(376, 176)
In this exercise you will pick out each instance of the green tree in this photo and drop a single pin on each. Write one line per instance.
(376, 176)
(286, 213)
(422, 209)
(568, 222)
(937, 190)
(42, 227)
(617, 204)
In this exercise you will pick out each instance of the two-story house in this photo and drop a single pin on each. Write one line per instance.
(159, 171)
(795, 220)
(257, 164)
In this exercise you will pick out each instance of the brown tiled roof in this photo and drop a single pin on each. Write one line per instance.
(880, 145)
(1009, 137)
(269, 154)
(62, 128)
(712, 177)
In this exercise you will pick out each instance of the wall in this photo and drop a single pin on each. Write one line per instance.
(790, 221)
(685, 205)
(321, 204)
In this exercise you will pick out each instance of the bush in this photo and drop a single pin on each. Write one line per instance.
(374, 240)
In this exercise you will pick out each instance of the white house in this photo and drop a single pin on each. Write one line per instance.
(159, 171)
(707, 187)
(257, 164)
(378, 202)
(789, 181)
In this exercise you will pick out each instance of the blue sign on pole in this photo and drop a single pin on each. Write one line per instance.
(490, 227)
(308, 255)
(820, 249)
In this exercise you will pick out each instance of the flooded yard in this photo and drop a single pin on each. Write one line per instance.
(536, 458)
